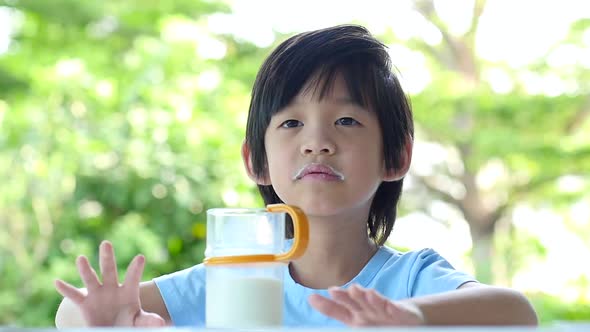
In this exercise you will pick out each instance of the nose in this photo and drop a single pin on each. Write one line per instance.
(317, 142)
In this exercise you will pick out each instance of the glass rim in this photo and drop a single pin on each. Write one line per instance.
(236, 211)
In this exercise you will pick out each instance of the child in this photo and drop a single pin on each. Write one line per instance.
(330, 131)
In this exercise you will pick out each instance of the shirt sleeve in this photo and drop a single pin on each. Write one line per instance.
(183, 293)
(431, 274)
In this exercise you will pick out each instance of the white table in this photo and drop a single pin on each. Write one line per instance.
(557, 327)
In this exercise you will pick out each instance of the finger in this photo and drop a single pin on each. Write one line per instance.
(344, 297)
(148, 319)
(330, 308)
(359, 294)
(376, 301)
(392, 309)
(87, 273)
(69, 291)
(108, 266)
(134, 271)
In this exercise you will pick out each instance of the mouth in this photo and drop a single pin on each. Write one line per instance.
(318, 171)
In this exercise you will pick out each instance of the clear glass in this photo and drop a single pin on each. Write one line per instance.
(246, 295)
(232, 232)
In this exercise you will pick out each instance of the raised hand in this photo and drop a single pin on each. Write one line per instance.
(357, 306)
(109, 303)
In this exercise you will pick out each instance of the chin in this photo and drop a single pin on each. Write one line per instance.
(319, 213)
(322, 208)
(322, 205)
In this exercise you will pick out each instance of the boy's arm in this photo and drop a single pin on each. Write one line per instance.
(476, 304)
(471, 304)
(69, 315)
(152, 301)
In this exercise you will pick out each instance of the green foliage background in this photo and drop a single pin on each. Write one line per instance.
(112, 127)
(106, 135)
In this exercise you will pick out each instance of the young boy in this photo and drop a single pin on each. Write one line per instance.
(330, 131)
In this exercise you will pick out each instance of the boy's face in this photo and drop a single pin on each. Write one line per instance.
(325, 156)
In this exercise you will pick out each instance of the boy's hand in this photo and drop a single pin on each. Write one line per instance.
(110, 303)
(357, 306)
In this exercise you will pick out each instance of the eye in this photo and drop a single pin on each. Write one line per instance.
(291, 124)
(347, 121)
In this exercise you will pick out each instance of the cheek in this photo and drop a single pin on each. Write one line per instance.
(369, 153)
(277, 159)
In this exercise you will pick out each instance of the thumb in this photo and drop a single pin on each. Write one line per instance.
(148, 319)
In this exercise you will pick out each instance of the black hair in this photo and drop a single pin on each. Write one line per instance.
(312, 60)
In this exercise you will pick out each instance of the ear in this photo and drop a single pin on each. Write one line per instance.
(406, 159)
(247, 159)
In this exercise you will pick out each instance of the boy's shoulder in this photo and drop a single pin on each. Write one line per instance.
(422, 272)
(396, 256)
(412, 264)
(191, 274)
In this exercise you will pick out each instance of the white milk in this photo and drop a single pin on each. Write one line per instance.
(244, 302)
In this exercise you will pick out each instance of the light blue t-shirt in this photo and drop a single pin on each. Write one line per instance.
(393, 274)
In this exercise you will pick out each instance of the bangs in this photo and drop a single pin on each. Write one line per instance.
(360, 84)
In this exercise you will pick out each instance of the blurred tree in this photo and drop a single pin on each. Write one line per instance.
(500, 149)
(120, 121)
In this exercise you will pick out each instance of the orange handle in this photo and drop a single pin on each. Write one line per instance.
(300, 241)
(300, 231)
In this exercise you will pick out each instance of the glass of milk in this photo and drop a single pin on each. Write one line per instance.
(245, 262)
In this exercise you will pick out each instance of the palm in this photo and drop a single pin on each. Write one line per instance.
(109, 303)
(111, 306)
(357, 306)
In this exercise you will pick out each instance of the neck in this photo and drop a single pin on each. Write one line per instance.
(338, 248)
